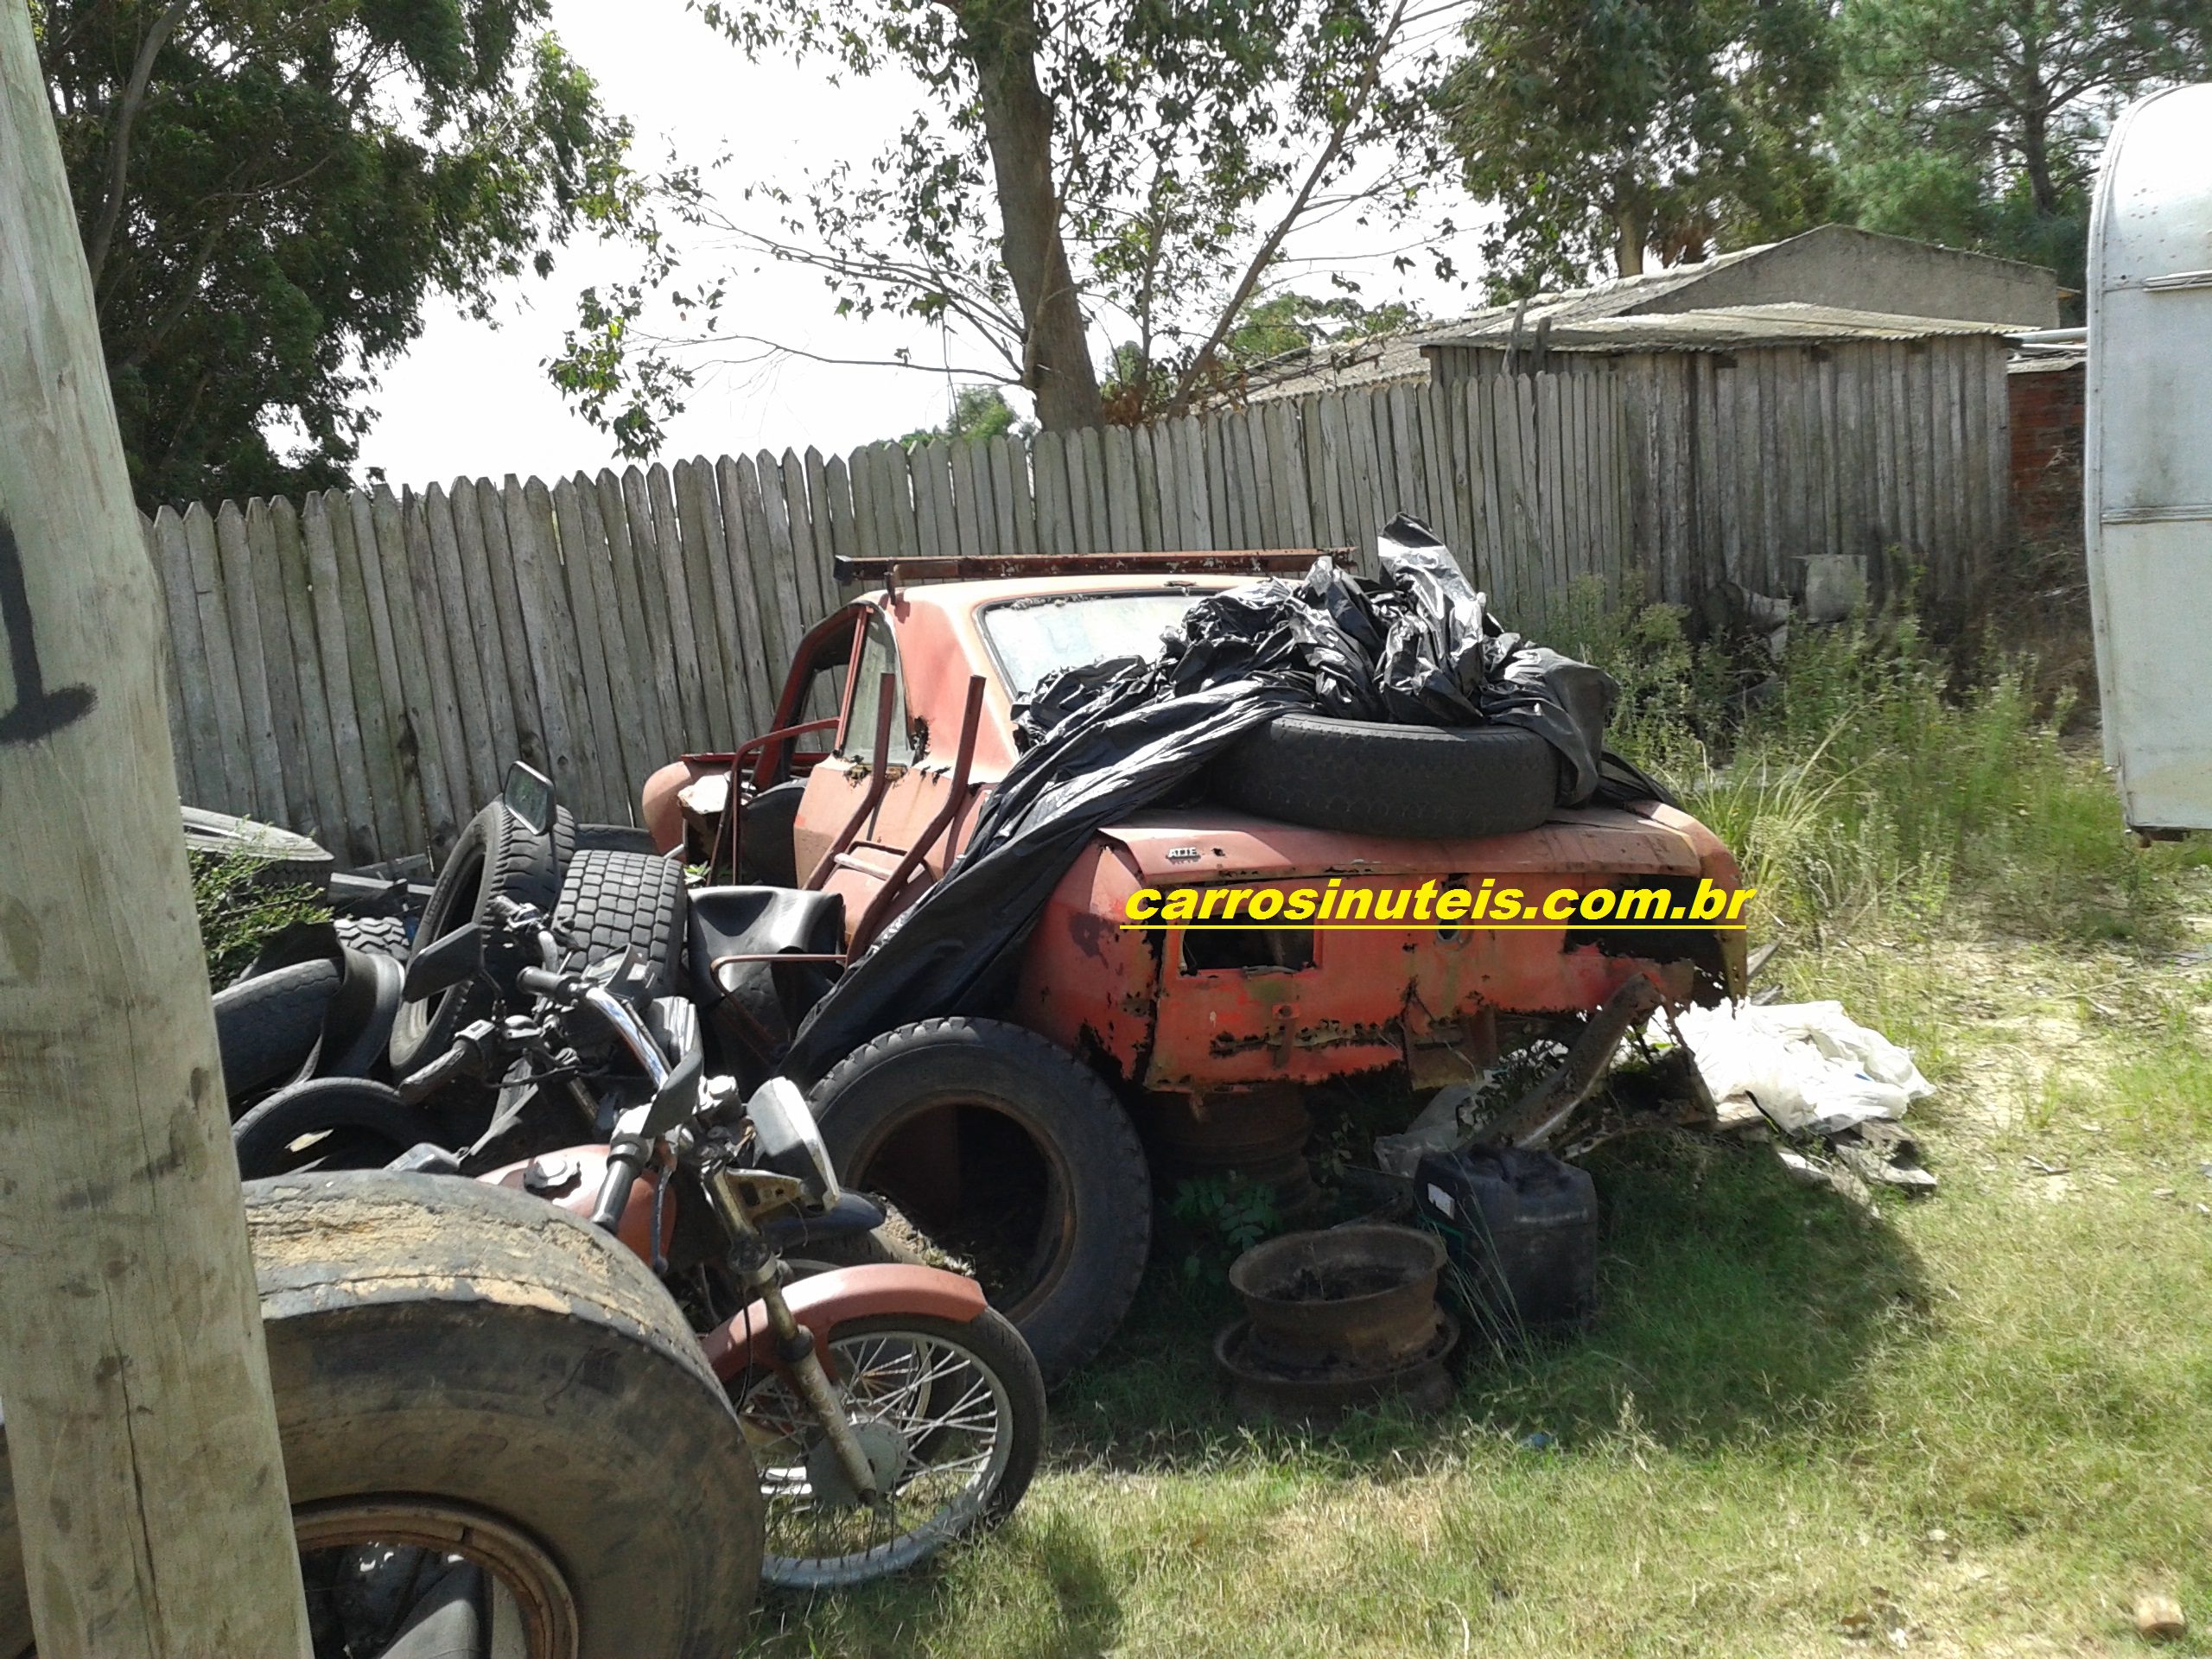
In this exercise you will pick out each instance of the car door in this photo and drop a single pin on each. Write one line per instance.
(852, 832)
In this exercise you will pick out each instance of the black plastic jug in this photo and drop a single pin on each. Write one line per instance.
(1521, 1230)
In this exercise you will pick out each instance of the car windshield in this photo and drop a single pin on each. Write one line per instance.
(1033, 637)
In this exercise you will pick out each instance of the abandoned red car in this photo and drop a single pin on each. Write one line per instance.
(1028, 1142)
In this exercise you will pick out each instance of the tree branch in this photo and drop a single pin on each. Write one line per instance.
(127, 104)
(1265, 253)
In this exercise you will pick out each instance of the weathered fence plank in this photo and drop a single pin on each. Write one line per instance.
(317, 700)
(529, 522)
(356, 717)
(279, 676)
(585, 677)
(364, 668)
(193, 724)
(472, 557)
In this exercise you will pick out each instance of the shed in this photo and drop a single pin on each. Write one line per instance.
(1836, 267)
(1763, 437)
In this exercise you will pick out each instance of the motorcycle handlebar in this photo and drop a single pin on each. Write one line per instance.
(624, 1164)
(543, 981)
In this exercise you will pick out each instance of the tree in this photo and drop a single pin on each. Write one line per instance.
(1297, 323)
(1603, 130)
(976, 412)
(1271, 328)
(1131, 166)
(268, 193)
(1977, 122)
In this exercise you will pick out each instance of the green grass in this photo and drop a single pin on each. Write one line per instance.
(239, 909)
(1977, 1423)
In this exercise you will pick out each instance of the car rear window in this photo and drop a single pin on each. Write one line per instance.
(1033, 637)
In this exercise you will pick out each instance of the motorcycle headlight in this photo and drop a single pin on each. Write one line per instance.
(789, 1140)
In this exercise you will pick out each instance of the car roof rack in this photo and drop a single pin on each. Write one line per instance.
(1226, 562)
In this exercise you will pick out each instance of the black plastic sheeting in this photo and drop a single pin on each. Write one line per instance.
(1419, 647)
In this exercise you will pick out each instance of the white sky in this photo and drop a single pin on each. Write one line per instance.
(471, 399)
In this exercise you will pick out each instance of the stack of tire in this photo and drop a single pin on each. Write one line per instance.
(311, 1079)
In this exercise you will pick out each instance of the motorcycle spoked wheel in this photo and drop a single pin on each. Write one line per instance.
(951, 1417)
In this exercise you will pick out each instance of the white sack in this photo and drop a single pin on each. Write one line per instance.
(1808, 1065)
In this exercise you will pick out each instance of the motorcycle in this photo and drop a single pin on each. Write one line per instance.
(889, 1410)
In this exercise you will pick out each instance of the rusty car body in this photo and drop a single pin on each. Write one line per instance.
(1213, 1040)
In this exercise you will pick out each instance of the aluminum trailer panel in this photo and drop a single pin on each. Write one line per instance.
(2147, 473)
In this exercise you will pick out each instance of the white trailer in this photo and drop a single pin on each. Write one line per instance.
(2147, 467)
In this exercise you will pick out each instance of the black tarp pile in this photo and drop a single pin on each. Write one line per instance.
(1102, 740)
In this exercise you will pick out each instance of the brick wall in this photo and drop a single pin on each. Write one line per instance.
(2046, 408)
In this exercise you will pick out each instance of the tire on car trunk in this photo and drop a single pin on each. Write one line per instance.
(571, 1439)
(1374, 778)
(494, 854)
(1010, 1155)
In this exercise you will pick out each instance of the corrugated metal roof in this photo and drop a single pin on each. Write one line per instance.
(1724, 328)
(1382, 359)
(2030, 358)
(1387, 359)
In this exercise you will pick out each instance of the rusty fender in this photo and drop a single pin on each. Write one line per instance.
(829, 1299)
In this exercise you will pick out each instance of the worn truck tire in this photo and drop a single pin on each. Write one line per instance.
(266, 1026)
(614, 838)
(375, 936)
(613, 900)
(469, 1370)
(361, 1125)
(1055, 1206)
(494, 854)
(282, 859)
(1373, 778)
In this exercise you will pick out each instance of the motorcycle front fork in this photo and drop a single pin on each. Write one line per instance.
(755, 1264)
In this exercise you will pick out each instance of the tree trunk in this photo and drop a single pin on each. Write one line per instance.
(1628, 242)
(2035, 152)
(149, 1483)
(1018, 127)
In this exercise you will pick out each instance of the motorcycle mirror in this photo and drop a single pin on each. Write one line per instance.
(445, 964)
(529, 796)
(789, 1141)
(675, 1100)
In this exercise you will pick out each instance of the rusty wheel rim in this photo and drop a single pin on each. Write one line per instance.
(516, 1563)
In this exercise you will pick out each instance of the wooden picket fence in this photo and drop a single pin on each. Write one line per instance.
(361, 665)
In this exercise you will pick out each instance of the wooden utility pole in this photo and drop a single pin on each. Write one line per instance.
(150, 1487)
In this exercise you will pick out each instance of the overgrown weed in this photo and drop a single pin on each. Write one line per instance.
(1870, 785)
(239, 907)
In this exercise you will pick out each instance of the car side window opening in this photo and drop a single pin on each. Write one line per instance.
(857, 741)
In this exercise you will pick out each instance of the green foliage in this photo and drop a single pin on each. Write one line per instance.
(1185, 143)
(1866, 783)
(1977, 122)
(296, 181)
(1297, 323)
(1599, 129)
(1228, 1215)
(239, 909)
(977, 412)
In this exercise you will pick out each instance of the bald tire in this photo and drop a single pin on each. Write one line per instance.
(524, 1364)
(1085, 1288)
(1374, 778)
